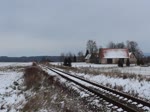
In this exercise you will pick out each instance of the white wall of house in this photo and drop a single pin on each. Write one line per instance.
(114, 61)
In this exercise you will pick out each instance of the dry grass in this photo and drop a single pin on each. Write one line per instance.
(35, 77)
(13, 68)
(32, 76)
(51, 94)
(109, 72)
(133, 93)
(56, 99)
(118, 87)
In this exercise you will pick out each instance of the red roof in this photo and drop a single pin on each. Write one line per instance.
(114, 53)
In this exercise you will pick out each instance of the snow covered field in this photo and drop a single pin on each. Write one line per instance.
(87, 65)
(11, 96)
(133, 86)
(113, 67)
(3, 64)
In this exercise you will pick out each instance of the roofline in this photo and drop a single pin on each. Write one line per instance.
(112, 48)
(105, 49)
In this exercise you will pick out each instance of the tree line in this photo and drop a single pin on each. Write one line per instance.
(132, 46)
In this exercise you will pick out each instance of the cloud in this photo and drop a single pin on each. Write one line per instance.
(32, 27)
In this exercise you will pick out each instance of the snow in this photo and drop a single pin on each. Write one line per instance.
(115, 53)
(83, 64)
(75, 79)
(7, 78)
(137, 70)
(130, 53)
(71, 85)
(4, 64)
(92, 65)
(132, 86)
(43, 110)
(88, 56)
(12, 96)
(140, 87)
(129, 85)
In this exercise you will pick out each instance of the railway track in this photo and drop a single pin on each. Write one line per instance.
(121, 100)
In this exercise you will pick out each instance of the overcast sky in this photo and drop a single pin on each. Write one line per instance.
(50, 27)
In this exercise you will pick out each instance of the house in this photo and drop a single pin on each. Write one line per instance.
(111, 56)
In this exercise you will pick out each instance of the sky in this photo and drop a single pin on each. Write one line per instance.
(52, 27)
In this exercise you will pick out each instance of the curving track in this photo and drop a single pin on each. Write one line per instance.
(121, 100)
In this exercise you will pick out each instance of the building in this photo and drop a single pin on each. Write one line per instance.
(92, 58)
(132, 58)
(111, 56)
(87, 58)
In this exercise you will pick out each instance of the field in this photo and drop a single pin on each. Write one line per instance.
(134, 80)
(113, 67)
(11, 96)
(16, 96)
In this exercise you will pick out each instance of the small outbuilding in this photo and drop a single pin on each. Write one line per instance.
(87, 58)
(92, 58)
(133, 58)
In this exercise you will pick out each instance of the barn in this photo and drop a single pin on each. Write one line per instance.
(111, 56)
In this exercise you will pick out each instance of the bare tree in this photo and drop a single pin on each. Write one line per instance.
(131, 45)
(134, 48)
(74, 58)
(111, 45)
(120, 45)
(62, 55)
(91, 46)
(80, 56)
(69, 54)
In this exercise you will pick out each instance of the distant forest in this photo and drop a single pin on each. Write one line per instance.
(30, 59)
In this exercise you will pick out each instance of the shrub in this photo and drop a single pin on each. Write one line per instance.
(118, 87)
(34, 64)
(32, 76)
(67, 62)
(140, 62)
(128, 63)
(120, 63)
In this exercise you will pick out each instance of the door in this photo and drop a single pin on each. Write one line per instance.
(109, 61)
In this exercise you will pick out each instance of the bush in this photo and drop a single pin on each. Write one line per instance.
(128, 63)
(67, 62)
(120, 63)
(32, 76)
(140, 62)
(34, 64)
